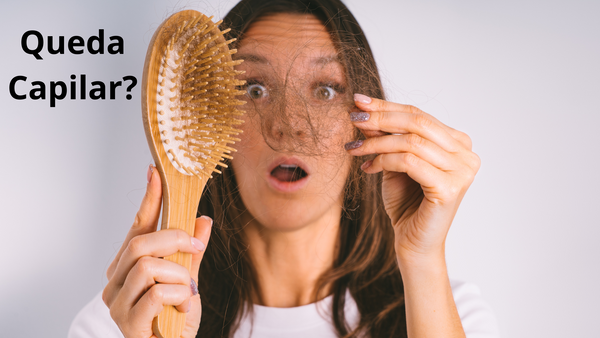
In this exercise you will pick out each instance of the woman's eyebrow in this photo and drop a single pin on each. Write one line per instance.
(251, 58)
(324, 60)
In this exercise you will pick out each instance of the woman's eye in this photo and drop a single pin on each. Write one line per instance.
(325, 93)
(256, 91)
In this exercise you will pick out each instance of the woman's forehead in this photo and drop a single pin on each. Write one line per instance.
(287, 37)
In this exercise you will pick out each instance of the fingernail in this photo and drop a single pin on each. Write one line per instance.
(196, 243)
(208, 219)
(362, 98)
(150, 171)
(359, 117)
(194, 287)
(353, 144)
(366, 165)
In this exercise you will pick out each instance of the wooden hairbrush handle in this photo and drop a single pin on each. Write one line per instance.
(181, 195)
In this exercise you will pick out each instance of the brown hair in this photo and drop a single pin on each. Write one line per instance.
(365, 263)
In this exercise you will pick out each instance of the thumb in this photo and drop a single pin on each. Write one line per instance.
(201, 235)
(146, 219)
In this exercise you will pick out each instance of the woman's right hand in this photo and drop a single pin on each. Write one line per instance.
(141, 283)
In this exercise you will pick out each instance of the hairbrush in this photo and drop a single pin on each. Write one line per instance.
(189, 112)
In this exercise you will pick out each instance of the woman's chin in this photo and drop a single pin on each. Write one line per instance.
(279, 214)
(285, 219)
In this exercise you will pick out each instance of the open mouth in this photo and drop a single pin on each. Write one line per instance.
(288, 173)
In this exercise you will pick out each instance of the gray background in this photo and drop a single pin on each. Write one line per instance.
(521, 77)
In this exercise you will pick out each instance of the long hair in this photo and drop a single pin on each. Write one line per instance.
(365, 263)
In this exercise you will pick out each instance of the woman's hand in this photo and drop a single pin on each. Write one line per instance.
(141, 283)
(427, 170)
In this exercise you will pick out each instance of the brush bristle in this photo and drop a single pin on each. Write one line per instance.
(196, 104)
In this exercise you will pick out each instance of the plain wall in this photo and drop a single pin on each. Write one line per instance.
(522, 78)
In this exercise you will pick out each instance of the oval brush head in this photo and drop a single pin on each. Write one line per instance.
(194, 93)
(189, 112)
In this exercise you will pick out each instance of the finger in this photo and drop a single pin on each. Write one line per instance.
(405, 123)
(368, 104)
(411, 143)
(156, 244)
(419, 170)
(153, 301)
(355, 114)
(202, 234)
(146, 219)
(461, 137)
(147, 272)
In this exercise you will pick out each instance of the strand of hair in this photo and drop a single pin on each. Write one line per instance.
(176, 160)
(187, 44)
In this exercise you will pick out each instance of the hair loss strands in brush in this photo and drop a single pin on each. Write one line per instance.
(195, 97)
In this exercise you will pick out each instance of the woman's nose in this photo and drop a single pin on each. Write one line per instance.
(289, 121)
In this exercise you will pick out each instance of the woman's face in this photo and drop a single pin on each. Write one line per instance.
(291, 165)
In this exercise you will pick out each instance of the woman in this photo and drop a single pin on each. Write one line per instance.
(310, 237)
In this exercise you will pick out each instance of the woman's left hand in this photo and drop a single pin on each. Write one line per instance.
(427, 169)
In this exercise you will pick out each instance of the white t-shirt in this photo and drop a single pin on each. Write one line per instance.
(312, 320)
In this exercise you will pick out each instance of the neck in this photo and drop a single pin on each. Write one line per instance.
(288, 264)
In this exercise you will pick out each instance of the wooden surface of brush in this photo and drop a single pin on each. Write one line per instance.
(189, 112)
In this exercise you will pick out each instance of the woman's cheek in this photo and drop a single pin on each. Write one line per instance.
(250, 131)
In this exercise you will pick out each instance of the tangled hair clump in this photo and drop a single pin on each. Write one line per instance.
(365, 263)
